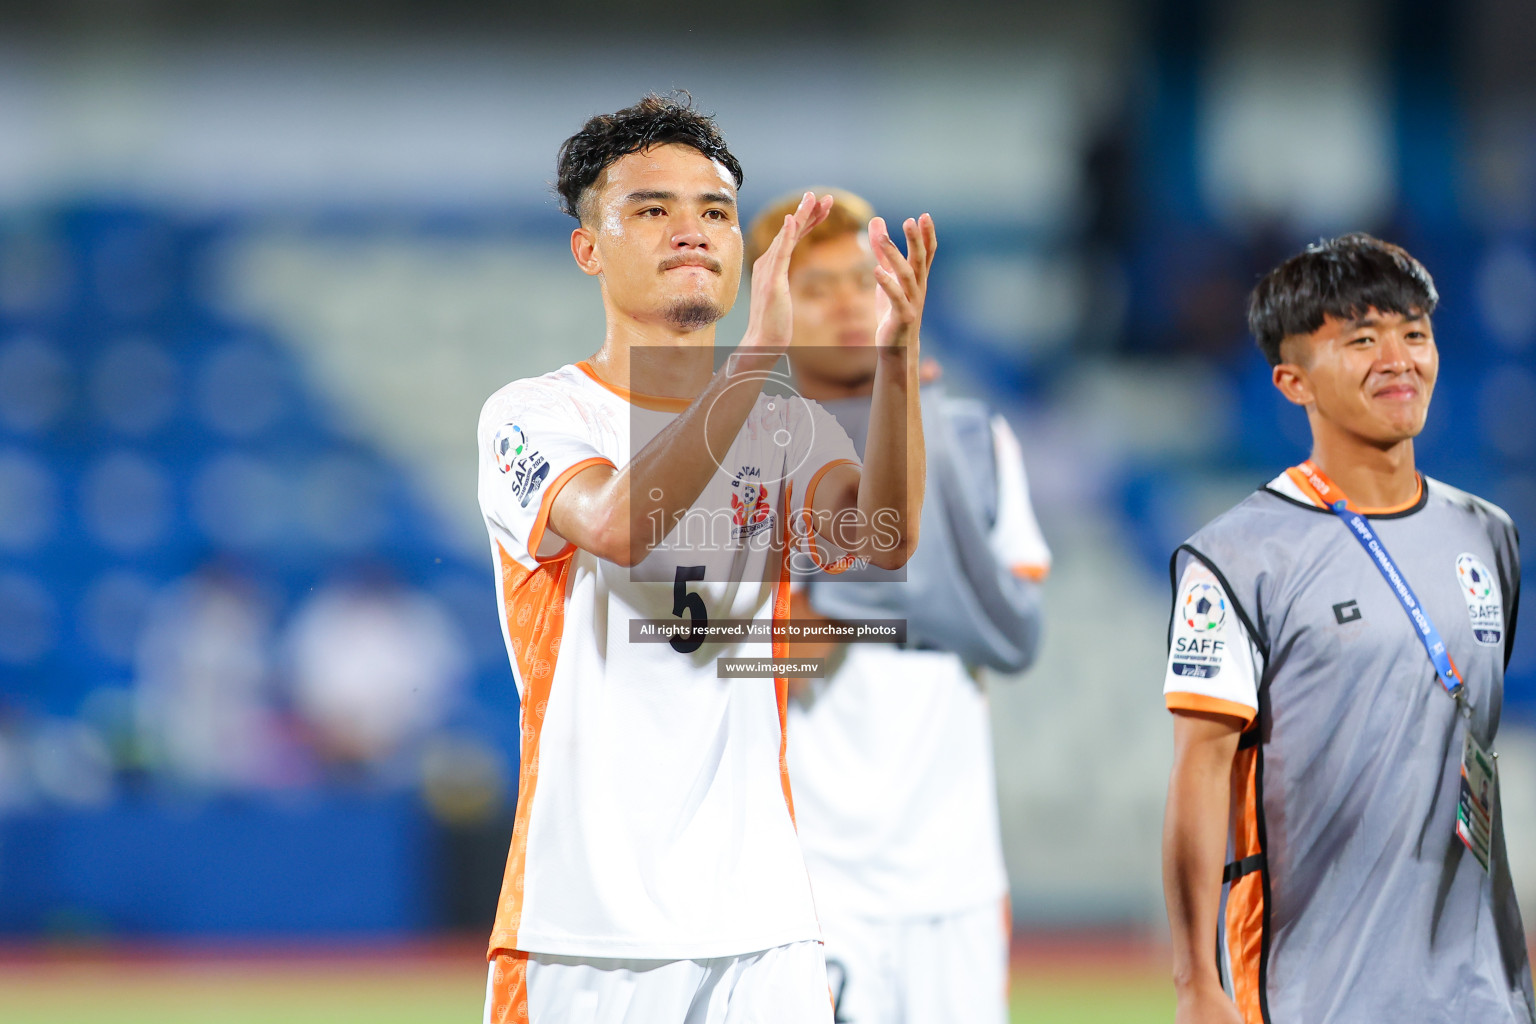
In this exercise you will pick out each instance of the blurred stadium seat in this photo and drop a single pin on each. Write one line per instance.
(149, 444)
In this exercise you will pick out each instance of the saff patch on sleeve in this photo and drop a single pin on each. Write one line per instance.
(516, 456)
(1485, 607)
(1199, 641)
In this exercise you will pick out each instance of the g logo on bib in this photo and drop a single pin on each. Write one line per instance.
(1481, 590)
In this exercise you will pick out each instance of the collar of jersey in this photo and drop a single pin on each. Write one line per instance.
(1391, 512)
(656, 403)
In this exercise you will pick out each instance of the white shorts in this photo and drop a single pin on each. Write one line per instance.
(783, 985)
(926, 970)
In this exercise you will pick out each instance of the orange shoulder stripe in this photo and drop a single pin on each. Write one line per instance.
(656, 403)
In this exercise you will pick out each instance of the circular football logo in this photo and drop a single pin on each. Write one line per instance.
(1473, 575)
(511, 442)
(1480, 589)
(1205, 609)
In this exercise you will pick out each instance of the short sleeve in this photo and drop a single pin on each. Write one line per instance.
(532, 440)
(821, 445)
(1212, 661)
(1016, 538)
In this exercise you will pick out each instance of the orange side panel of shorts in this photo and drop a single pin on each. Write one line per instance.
(535, 609)
(509, 989)
(1245, 899)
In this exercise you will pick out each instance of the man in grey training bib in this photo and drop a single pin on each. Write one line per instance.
(890, 754)
(1335, 672)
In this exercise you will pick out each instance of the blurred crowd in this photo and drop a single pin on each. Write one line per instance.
(352, 687)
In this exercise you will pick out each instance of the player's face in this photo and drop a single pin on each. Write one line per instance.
(834, 289)
(664, 237)
(1371, 377)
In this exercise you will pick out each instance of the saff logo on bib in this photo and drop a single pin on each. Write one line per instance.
(1481, 590)
(1205, 608)
(1198, 644)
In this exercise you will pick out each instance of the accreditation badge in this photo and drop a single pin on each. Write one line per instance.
(1474, 812)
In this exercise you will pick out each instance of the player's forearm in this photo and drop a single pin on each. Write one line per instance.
(890, 496)
(620, 515)
(1195, 843)
(1191, 889)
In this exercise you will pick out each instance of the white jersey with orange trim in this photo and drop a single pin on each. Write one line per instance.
(892, 762)
(1213, 663)
(654, 817)
(1016, 537)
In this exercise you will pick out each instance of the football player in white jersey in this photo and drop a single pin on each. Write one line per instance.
(892, 761)
(654, 871)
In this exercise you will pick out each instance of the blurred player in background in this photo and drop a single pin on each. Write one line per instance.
(892, 755)
(1336, 670)
(654, 873)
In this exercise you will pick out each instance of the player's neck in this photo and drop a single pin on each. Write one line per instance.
(1373, 476)
(650, 359)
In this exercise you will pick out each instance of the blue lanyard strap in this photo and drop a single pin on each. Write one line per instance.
(1360, 529)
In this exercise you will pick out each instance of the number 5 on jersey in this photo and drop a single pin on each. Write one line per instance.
(683, 600)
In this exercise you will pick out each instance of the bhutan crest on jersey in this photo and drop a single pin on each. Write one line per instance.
(516, 456)
(751, 512)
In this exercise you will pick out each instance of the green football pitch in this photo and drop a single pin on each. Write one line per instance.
(393, 988)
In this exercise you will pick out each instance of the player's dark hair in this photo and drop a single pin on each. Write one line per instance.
(1342, 277)
(654, 121)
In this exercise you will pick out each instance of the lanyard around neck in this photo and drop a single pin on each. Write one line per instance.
(1336, 502)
